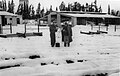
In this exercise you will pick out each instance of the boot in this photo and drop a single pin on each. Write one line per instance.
(64, 44)
(68, 44)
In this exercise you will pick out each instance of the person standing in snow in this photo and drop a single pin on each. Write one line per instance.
(62, 33)
(70, 32)
(67, 34)
(52, 29)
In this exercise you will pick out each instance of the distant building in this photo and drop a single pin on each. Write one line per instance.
(17, 19)
(7, 18)
(82, 18)
(22, 2)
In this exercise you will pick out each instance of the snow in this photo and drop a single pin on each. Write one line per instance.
(115, 74)
(90, 54)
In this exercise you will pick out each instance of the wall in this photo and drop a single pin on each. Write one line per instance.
(81, 21)
(14, 20)
(1, 31)
(0, 20)
(74, 21)
(8, 19)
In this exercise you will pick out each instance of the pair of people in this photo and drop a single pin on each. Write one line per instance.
(66, 34)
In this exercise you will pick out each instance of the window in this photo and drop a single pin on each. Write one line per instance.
(5, 21)
(18, 21)
(10, 18)
(81, 21)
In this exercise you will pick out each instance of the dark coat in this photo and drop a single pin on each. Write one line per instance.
(70, 33)
(70, 30)
(52, 34)
(52, 28)
(67, 31)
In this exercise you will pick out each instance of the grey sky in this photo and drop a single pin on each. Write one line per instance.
(115, 4)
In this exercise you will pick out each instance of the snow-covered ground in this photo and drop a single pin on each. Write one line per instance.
(87, 55)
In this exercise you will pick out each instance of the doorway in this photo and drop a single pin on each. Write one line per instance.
(3, 20)
(18, 20)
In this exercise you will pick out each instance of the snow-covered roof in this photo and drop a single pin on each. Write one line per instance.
(89, 15)
(6, 13)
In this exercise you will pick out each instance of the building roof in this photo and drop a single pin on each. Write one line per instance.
(4, 13)
(89, 15)
(80, 12)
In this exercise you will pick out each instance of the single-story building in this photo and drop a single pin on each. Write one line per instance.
(15, 20)
(81, 18)
(7, 18)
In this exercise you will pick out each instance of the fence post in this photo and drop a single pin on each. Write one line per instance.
(10, 28)
(106, 28)
(99, 26)
(38, 28)
(115, 28)
(91, 27)
(25, 28)
(1, 29)
(38, 25)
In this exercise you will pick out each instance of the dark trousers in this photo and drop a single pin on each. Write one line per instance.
(66, 41)
(70, 38)
(62, 36)
(53, 39)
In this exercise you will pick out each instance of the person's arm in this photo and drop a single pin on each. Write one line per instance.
(71, 30)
